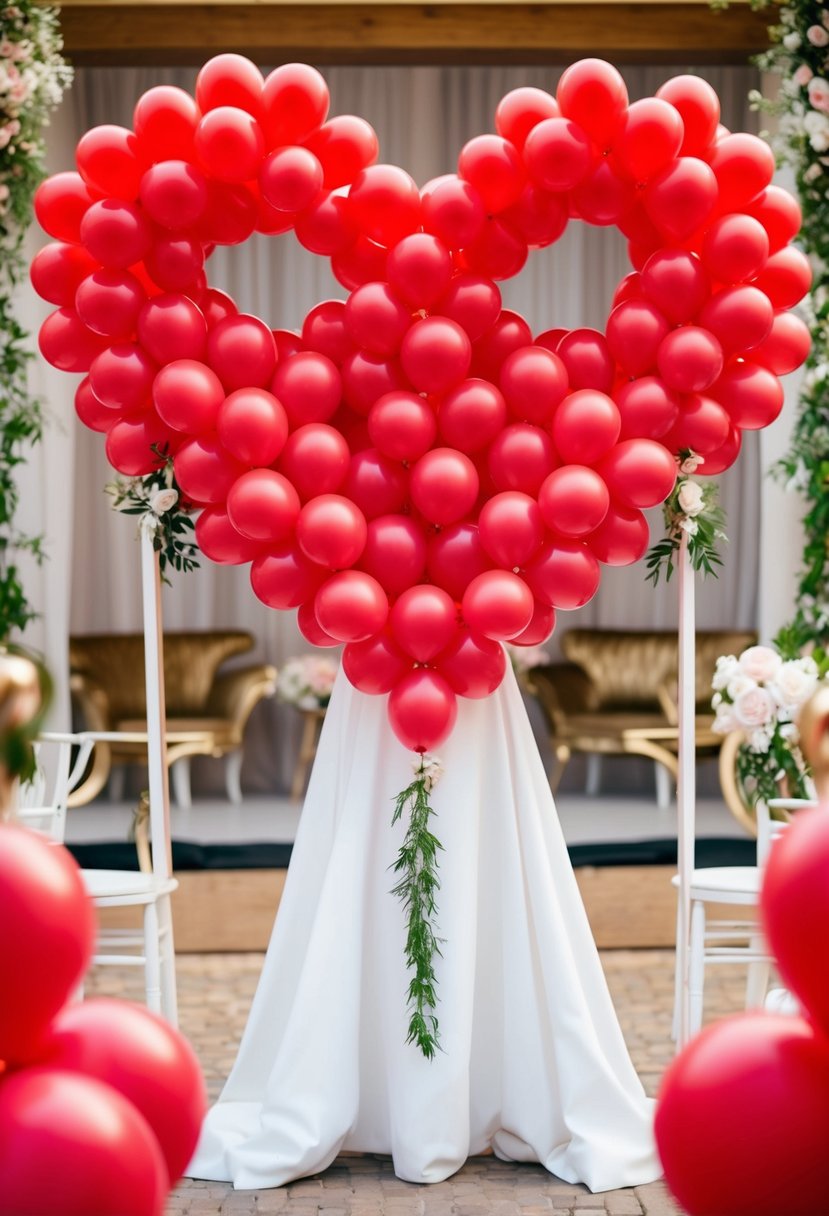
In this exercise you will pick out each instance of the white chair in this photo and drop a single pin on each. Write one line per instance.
(42, 806)
(717, 941)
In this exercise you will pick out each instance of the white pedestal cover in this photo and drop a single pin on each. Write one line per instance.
(533, 1064)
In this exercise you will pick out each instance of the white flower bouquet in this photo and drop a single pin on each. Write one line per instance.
(760, 693)
(306, 681)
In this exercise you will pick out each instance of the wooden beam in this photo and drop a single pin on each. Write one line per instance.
(446, 31)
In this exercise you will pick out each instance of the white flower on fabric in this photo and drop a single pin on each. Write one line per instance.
(794, 683)
(818, 35)
(753, 708)
(690, 497)
(819, 93)
(163, 500)
(760, 663)
(803, 75)
(725, 671)
(739, 684)
(791, 41)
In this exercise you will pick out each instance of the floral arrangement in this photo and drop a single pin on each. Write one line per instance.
(690, 510)
(156, 498)
(33, 77)
(307, 681)
(760, 693)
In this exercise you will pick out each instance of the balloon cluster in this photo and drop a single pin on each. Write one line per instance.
(100, 1102)
(742, 1123)
(414, 471)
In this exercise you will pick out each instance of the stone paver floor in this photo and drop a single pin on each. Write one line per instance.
(215, 991)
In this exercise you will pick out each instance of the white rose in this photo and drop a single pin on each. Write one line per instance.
(430, 768)
(753, 708)
(759, 740)
(739, 684)
(803, 75)
(816, 126)
(794, 683)
(791, 41)
(725, 720)
(819, 94)
(760, 663)
(163, 500)
(817, 35)
(690, 497)
(725, 671)
(813, 173)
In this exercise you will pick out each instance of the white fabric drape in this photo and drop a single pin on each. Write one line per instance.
(532, 1060)
(423, 115)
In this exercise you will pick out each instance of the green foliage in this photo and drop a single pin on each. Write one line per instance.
(703, 527)
(157, 497)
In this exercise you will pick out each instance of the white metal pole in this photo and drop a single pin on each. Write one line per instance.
(686, 783)
(156, 710)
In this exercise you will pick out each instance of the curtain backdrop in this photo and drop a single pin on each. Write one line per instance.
(422, 116)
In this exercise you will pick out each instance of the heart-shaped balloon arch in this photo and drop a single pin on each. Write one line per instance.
(415, 472)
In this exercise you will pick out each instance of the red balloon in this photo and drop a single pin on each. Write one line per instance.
(473, 301)
(385, 204)
(585, 427)
(394, 553)
(646, 407)
(508, 333)
(165, 120)
(130, 444)
(326, 226)
(108, 301)
(230, 216)
(521, 457)
(252, 426)
(587, 359)
(423, 621)
(435, 354)
(419, 269)
(675, 281)
(309, 386)
(699, 109)
(494, 169)
(91, 412)
(521, 110)
(603, 197)
(205, 471)
(540, 627)
(57, 270)
(230, 144)
(344, 145)
(621, 538)
(702, 425)
(786, 347)
(565, 575)
(175, 263)
(743, 166)
(752, 395)
(639, 472)
(122, 376)
(723, 458)
(735, 248)
(422, 710)
(263, 505)
(368, 377)
(72, 1146)
(315, 460)
(290, 178)
(634, 332)
(295, 100)
(221, 542)
(46, 915)
(557, 154)
(309, 627)
(66, 343)
(61, 202)
(593, 93)
(750, 1088)
(472, 415)
(377, 485)
(455, 557)
(242, 352)
(144, 1059)
(540, 216)
(376, 665)
(498, 604)
(174, 194)
(534, 382)
(324, 330)
(215, 306)
(187, 396)
(649, 139)
(284, 577)
(444, 486)
(402, 426)
(473, 665)
(690, 359)
(351, 606)
(785, 278)
(681, 198)
(740, 318)
(171, 327)
(288, 344)
(779, 213)
(511, 528)
(453, 211)
(498, 253)
(376, 319)
(229, 80)
(573, 500)
(331, 531)
(109, 161)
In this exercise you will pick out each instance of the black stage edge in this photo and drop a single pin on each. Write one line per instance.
(188, 855)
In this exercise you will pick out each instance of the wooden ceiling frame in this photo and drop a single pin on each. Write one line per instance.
(155, 32)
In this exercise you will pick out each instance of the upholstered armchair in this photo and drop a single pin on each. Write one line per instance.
(207, 709)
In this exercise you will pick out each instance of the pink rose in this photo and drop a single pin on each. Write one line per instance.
(803, 75)
(817, 35)
(753, 708)
(819, 94)
(760, 663)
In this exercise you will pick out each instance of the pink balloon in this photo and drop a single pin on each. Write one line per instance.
(284, 577)
(621, 538)
(455, 556)
(785, 278)
(534, 382)
(435, 354)
(230, 80)
(326, 227)
(676, 282)
(587, 359)
(315, 459)
(539, 216)
(109, 161)
(215, 306)
(376, 484)
(242, 352)
(221, 542)
(205, 471)
(473, 301)
(91, 412)
(511, 528)
(345, 145)
(115, 233)
(444, 486)
(263, 505)
(735, 248)
(573, 501)
(422, 710)
(472, 664)
(394, 553)
(331, 531)
(253, 426)
(508, 333)
(603, 197)
(230, 216)
(565, 575)
(646, 407)
(472, 415)
(376, 665)
(786, 347)
(740, 318)
(62, 201)
(702, 425)
(419, 269)
(521, 457)
(295, 102)
(57, 270)
(165, 120)
(423, 621)
(290, 178)
(690, 359)
(230, 144)
(779, 213)
(498, 253)
(175, 262)
(493, 167)
(585, 427)
(324, 330)
(498, 604)
(188, 396)
(402, 426)
(723, 458)
(639, 472)
(634, 331)
(171, 327)
(376, 319)
(308, 386)
(743, 166)
(681, 198)
(351, 606)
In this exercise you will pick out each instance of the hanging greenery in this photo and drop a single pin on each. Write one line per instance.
(33, 77)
